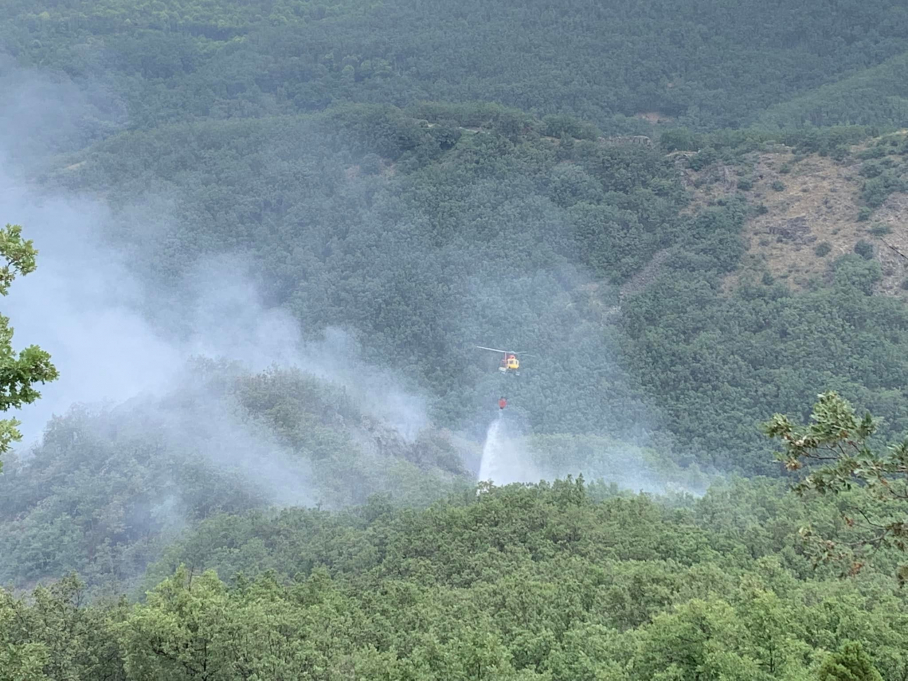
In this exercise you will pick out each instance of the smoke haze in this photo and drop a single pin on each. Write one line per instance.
(115, 339)
(122, 347)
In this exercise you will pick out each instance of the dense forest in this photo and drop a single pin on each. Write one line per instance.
(301, 219)
(566, 581)
(707, 64)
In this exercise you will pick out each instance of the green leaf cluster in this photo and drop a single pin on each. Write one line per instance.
(19, 371)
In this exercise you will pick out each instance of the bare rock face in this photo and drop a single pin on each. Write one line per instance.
(794, 230)
(431, 449)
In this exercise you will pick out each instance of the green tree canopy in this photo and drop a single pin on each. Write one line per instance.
(837, 452)
(851, 663)
(19, 372)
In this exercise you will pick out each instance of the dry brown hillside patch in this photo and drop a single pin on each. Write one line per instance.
(806, 202)
(819, 203)
(892, 249)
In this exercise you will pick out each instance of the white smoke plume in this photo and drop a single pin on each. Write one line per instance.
(510, 456)
(88, 308)
(84, 306)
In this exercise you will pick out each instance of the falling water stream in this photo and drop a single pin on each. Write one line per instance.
(504, 460)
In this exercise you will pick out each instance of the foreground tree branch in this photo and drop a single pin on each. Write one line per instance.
(834, 452)
(19, 372)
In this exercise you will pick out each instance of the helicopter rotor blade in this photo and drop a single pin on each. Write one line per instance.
(492, 349)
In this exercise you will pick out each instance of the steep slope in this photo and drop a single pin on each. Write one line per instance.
(867, 97)
(429, 229)
(107, 489)
(810, 209)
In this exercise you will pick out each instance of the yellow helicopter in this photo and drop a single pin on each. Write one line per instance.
(509, 362)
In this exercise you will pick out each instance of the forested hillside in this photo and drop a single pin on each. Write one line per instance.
(704, 64)
(108, 488)
(559, 582)
(301, 218)
(426, 230)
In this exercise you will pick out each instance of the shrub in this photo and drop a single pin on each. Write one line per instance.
(879, 229)
(677, 140)
(703, 158)
(839, 153)
(864, 249)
